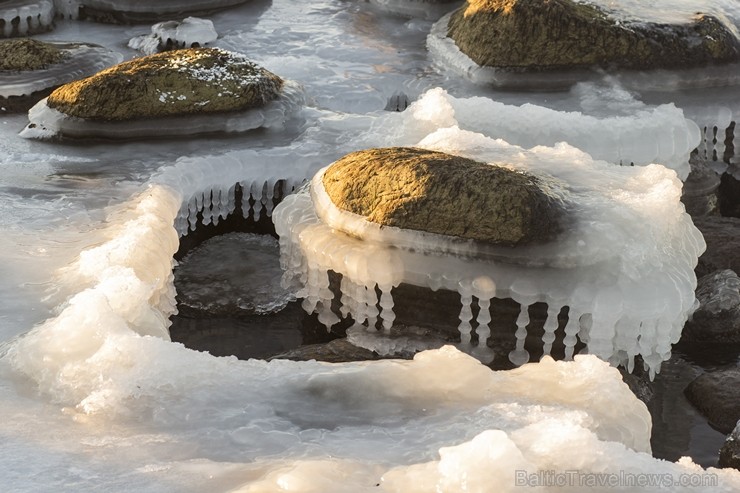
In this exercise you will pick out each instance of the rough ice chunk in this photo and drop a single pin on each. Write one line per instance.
(626, 262)
(189, 32)
(632, 132)
(45, 121)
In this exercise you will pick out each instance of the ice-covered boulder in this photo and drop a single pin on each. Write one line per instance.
(191, 32)
(718, 317)
(24, 18)
(180, 92)
(533, 36)
(31, 69)
(440, 193)
(539, 35)
(729, 455)
(623, 264)
(717, 396)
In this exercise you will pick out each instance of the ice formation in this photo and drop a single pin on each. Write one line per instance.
(23, 18)
(45, 122)
(625, 269)
(189, 32)
(80, 61)
(628, 132)
(446, 53)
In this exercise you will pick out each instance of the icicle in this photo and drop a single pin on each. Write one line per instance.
(571, 331)
(520, 356)
(551, 325)
(371, 308)
(386, 305)
(466, 313)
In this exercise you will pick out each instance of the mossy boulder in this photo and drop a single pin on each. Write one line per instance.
(564, 34)
(21, 55)
(440, 193)
(181, 82)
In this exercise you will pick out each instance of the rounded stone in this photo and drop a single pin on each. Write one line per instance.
(181, 82)
(563, 34)
(22, 55)
(430, 191)
(717, 396)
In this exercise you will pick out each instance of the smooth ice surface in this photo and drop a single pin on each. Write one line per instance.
(81, 61)
(181, 34)
(98, 408)
(46, 122)
(232, 273)
(424, 9)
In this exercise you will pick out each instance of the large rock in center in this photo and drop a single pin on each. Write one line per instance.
(440, 193)
(190, 81)
(561, 34)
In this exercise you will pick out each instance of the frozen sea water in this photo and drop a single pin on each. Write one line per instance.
(94, 397)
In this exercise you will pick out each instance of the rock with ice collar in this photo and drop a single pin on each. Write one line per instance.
(180, 82)
(563, 34)
(440, 193)
(139, 11)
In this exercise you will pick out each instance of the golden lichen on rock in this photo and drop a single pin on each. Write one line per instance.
(20, 55)
(441, 193)
(562, 34)
(181, 82)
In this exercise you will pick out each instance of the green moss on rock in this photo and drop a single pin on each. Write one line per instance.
(562, 34)
(440, 193)
(20, 55)
(181, 82)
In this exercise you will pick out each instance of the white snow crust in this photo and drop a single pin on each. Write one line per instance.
(183, 34)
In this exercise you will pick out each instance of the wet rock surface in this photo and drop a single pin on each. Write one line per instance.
(722, 235)
(336, 351)
(717, 396)
(181, 82)
(231, 274)
(718, 317)
(561, 34)
(440, 193)
(729, 454)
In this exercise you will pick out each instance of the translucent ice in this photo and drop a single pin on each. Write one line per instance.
(425, 9)
(625, 267)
